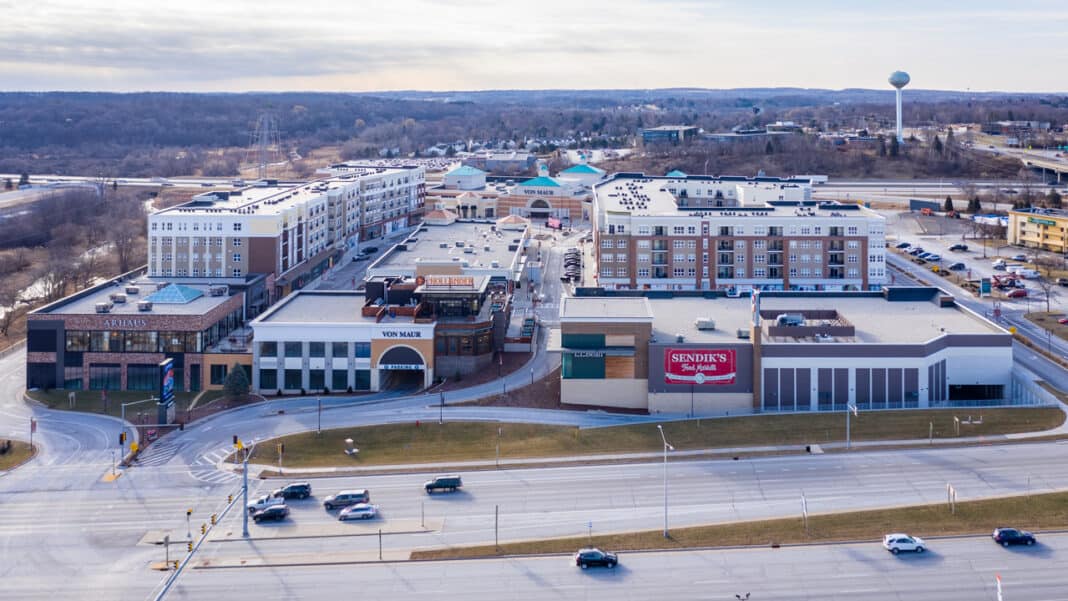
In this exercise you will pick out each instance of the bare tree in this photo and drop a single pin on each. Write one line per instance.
(1048, 289)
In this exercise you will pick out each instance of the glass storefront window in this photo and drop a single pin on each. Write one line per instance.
(105, 376)
(105, 342)
(339, 350)
(172, 342)
(77, 341)
(268, 379)
(316, 379)
(339, 380)
(141, 342)
(269, 349)
(316, 349)
(362, 349)
(293, 349)
(293, 379)
(142, 377)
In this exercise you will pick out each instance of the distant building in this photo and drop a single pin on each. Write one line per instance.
(586, 175)
(1046, 229)
(786, 127)
(669, 134)
(1019, 129)
(465, 177)
(502, 162)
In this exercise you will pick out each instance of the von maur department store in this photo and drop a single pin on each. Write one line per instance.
(781, 351)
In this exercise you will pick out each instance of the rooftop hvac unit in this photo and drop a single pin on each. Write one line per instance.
(162, 285)
(680, 338)
(704, 323)
(495, 264)
(118, 298)
(133, 290)
(743, 334)
(144, 305)
(219, 290)
(103, 307)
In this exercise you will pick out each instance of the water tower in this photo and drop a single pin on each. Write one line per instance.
(899, 79)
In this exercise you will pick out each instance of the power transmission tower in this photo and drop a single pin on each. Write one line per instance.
(264, 144)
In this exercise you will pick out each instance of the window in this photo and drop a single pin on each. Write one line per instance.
(105, 342)
(621, 243)
(739, 258)
(339, 379)
(77, 341)
(339, 350)
(643, 272)
(643, 230)
(606, 243)
(853, 273)
(758, 273)
(269, 349)
(268, 379)
(739, 272)
(817, 230)
(316, 349)
(739, 230)
(105, 376)
(217, 374)
(691, 229)
(806, 231)
(739, 244)
(293, 349)
(141, 342)
(237, 242)
(691, 244)
(643, 244)
(679, 272)
(643, 258)
(362, 349)
(691, 258)
(852, 244)
(806, 258)
(760, 258)
(806, 272)
(678, 230)
(677, 244)
(691, 272)
(237, 257)
(852, 259)
(760, 231)
(817, 258)
(851, 230)
(316, 379)
(237, 227)
(793, 258)
(621, 272)
(293, 379)
(142, 377)
(793, 272)
(606, 272)
(236, 273)
(362, 379)
(608, 258)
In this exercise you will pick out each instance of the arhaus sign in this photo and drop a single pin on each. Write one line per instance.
(699, 366)
(125, 323)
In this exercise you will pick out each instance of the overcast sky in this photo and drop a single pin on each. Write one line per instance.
(366, 45)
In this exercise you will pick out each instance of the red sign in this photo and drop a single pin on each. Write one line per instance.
(699, 366)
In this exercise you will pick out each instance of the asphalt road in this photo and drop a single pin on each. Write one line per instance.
(962, 569)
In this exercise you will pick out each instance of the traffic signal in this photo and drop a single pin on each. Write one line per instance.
(176, 564)
(203, 528)
(189, 546)
(122, 438)
(213, 519)
(188, 512)
(235, 440)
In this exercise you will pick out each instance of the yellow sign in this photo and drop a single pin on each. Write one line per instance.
(1012, 329)
(133, 447)
(450, 281)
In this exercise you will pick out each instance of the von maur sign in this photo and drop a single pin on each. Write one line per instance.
(699, 366)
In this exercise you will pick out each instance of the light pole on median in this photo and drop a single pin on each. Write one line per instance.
(319, 424)
(850, 408)
(667, 447)
(244, 491)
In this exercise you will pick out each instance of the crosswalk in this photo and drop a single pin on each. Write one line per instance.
(202, 469)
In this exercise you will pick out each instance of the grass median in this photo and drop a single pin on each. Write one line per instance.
(1033, 512)
(473, 441)
(93, 401)
(16, 455)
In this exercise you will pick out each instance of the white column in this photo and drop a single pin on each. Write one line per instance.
(900, 136)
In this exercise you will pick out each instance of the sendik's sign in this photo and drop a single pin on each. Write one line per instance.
(699, 366)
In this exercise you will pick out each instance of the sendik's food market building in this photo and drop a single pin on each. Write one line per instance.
(784, 351)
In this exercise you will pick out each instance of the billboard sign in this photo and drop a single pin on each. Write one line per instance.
(699, 366)
(166, 391)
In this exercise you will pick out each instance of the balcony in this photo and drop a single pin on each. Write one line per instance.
(836, 259)
(725, 245)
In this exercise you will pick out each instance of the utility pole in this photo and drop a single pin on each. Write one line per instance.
(850, 408)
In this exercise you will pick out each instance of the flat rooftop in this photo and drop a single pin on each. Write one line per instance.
(875, 319)
(431, 243)
(648, 195)
(275, 197)
(588, 308)
(177, 298)
(319, 307)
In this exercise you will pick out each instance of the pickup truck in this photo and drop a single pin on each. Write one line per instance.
(264, 502)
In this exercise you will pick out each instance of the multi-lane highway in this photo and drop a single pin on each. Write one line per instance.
(958, 569)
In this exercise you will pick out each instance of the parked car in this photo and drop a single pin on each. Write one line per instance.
(916, 250)
(957, 267)
(368, 250)
(932, 257)
(902, 245)
(896, 543)
(359, 511)
(264, 502)
(1017, 293)
(446, 483)
(294, 490)
(346, 498)
(592, 556)
(959, 247)
(999, 265)
(1063, 320)
(271, 514)
(1020, 257)
(1062, 281)
(1012, 536)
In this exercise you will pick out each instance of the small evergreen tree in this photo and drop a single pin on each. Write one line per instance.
(236, 384)
(948, 205)
(895, 148)
(1053, 200)
(768, 148)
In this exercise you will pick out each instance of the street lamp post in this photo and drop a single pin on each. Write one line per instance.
(319, 424)
(667, 447)
(244, 492)
(441, 409)
(850, 408)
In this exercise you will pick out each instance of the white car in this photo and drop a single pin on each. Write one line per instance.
(264, 502)
(896, 543)
(359, 511)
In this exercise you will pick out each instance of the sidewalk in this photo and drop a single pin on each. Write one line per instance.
(533, 462)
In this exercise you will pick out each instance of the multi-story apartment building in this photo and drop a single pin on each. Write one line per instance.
(289, 231)
(732, 233)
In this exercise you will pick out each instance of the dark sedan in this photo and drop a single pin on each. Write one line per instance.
(272, 513)
(595, 557)
(1012, 536)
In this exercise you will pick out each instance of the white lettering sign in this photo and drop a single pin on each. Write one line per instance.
(125, 323)
(402, 334)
